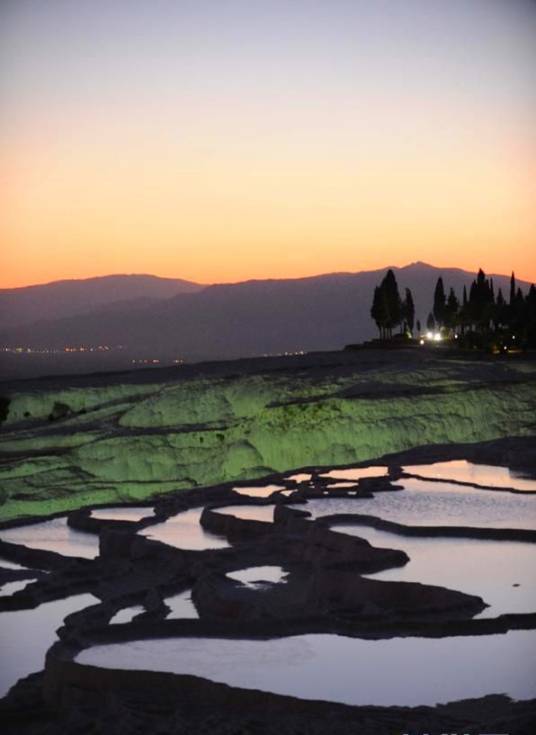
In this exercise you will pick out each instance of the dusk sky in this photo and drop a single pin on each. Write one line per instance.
(220, 140)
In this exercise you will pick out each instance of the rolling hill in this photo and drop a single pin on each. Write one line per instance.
(227, 320)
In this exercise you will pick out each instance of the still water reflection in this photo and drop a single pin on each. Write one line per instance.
(259, 576)
(258, 492)
(481, 474)
(426, 503)
(489, 569)
(356, 473)
(185, 532)
(122, 514)
(54, 535)
(26, 635)
(249, 512)
(399, 671)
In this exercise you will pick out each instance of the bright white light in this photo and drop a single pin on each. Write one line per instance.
(437, 337)
(421, 341)
(429, 335)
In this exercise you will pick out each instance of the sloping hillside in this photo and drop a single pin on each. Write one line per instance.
(244, 319)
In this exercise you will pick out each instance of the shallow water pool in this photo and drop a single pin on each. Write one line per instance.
(399, 671)
(489, 569)
(185, 532)
(259, 576)
(122, 514)
(480, 474)
(54, 535)
(426, 503)
(26, 635)
(249, 512)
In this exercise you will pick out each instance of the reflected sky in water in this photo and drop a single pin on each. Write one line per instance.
(9, 588)
(356, 473)
(26, 635)
(258, 492)
(426, 503)
(54, 535)
(126, 614)
(481, 474)
(488, 569)
(249, 512)
(399, 671)
(181, 606)
(258, 576)
(184, 532)
(122, 514)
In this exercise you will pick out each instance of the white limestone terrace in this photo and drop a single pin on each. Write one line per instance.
(125, 437)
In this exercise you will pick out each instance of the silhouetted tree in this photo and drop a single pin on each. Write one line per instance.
(487, 321)
(451, 310)
(379, 310)
(439, 302)
(409, 310)
(500, 314)
(386, 307)
(480, 301)
(512, 289)
(394, 303)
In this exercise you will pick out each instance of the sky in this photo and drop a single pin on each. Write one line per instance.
(222, 140)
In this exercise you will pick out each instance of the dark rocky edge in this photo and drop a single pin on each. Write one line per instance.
(324, 579)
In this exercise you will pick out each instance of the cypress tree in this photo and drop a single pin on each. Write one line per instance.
(451, 310)
(439, 302)
(378, 311)
(409, 310)
(392, 299)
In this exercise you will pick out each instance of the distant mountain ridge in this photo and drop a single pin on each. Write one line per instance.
(60, 299)
(236, 320)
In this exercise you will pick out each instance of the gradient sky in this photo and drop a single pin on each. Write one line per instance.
(219, 140)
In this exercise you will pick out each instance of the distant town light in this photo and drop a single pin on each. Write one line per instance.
(437, 337)
(421, 341)
(429, 335)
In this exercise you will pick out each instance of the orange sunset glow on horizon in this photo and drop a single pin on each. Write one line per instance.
(269, 140)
